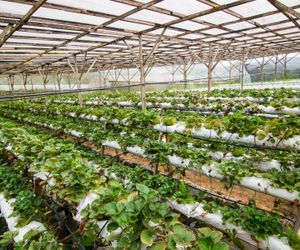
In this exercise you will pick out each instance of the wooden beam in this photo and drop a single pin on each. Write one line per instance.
(283, 8)
(19, 24)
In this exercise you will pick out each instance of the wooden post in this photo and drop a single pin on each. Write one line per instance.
(11, 82)
(276, 67)
(262, 67)
(173, 73)
(242, 72)
(100, 77)
(185, 74)
(230, 72)
(44, 75)
(31, 84)
(78, 76)
(24, 79)
(128, 79)
(209, 68)
(284, 65)
(69, 80)
(58, 78)
(142, 74)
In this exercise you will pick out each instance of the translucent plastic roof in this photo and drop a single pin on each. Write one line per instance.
(50, 33)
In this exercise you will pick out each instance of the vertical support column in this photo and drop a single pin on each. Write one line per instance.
(142, 74)
(173, 73)
(276, 67)
(24, 79)
(69, 80)
(32, 89)
(262, 67)
(11, 83)
(128, 77)
(100, 78)
(44, 75)
(284, 65)
(185, 71)
(242, 73)
(230, 72)
(209, 68)
(78, 76)
(58, 80)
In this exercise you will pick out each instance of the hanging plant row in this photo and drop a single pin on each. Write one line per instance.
(106, 204)
(235, 169)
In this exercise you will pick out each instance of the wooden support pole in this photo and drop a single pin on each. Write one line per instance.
(242, 73)
(25, 80)
(173, 73)
(44, 74)
(284, 65)
(32, 88)
(78, 76)
(100, 77)
(128, 79)
(69, 80)
(262, 67)
(276, 67)
(230, 72)
(142, 74)
(185, 74)
(209, 69)
(11, 82)
(58, 77)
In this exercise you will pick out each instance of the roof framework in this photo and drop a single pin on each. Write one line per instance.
(53, 35)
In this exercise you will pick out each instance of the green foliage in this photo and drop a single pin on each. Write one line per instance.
(211, 240)
(35, 240)
(27, 205)
(260, 223)
(287, 179)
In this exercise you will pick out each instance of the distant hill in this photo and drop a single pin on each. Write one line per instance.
(292, 70)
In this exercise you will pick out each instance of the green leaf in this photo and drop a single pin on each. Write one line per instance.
(114, 184)
(142, 188)
(182, 236)
(147, 237)
(158, 246)
(7, 237)
(112, 226)
(220, 246)
(216, 236)
(123, 243)
(114, 208)
(122, 219)
(205, 244)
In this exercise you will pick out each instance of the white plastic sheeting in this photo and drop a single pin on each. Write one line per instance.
(86, 201)
(233, 137)
(12, 221)
(216, 220)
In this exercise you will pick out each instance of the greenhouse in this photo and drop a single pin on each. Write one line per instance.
(150, 124)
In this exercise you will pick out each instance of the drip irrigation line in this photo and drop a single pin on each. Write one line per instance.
(64, 224)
